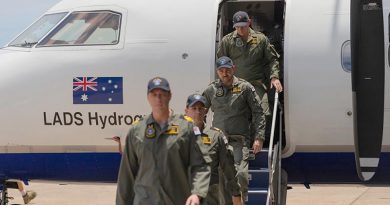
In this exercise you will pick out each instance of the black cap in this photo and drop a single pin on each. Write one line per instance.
(158, 82)
(224, 62)
(240, 18)
(194, 98)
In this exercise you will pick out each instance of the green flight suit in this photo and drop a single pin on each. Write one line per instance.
(162, 165)
(216, 145)
(256, 61)
(233, 107)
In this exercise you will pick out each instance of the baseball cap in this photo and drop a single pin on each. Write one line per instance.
(224, 62)
(240, 18)
(194, 98)
(158, 82)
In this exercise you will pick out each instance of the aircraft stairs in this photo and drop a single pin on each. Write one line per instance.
(265, 169)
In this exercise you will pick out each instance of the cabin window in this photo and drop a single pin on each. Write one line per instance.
(86, 28)
(346, 56)
(36, 31)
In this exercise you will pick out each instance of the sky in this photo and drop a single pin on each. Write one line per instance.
(17, 15)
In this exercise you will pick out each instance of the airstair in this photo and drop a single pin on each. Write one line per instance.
(265, 169)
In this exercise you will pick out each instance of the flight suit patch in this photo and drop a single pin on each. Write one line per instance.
(189, 119)
(254, 40)
(220, 92)
(196, 130)
(150, 132)
(206, 139)
(173, 130)
(239, 42)
(236, 89)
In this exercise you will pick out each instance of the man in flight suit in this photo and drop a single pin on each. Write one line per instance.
(234, 102)
(255, 58)
(216, 145)
(162, 162)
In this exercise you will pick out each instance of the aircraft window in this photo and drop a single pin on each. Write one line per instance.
(36, 31)
(86, 28)
(346, 56)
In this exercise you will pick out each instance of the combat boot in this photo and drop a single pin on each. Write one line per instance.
(30, 195)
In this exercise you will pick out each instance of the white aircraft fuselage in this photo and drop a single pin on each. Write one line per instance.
(51, 130)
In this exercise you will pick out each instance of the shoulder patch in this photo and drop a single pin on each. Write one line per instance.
(189, 119)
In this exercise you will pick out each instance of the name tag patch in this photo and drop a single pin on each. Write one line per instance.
(236, 89)
(172, 130)
(206, 140)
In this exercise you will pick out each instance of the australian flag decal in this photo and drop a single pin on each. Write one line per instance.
(98, 90)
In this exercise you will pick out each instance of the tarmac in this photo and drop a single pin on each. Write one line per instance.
(65, 193)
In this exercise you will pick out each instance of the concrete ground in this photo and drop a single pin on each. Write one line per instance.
(56, 193)
(339, 194)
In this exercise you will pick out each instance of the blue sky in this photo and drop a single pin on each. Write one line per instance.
(17, 15)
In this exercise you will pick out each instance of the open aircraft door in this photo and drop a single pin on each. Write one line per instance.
(386, 23)
(386, 124)
(368, 82)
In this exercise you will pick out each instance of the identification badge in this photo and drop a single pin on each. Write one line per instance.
(172, 130)
(220, 92)
(206, 140)
(196, 130)
(150, 132)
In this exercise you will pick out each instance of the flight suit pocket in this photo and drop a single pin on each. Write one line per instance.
(173, 140)
(219, 104)
(238, 102)
(207, 159)
(140, 191)
(204, 150)
(245, 153)
(254, 52)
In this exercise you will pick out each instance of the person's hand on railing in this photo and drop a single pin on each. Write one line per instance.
(257, 146)
(277, 84)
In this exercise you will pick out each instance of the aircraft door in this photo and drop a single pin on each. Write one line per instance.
(386, 124)
(386, 22)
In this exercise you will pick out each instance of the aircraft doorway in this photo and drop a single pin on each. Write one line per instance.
(268, 18)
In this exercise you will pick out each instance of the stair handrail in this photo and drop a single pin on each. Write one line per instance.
(280, 152)
(270, 149)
